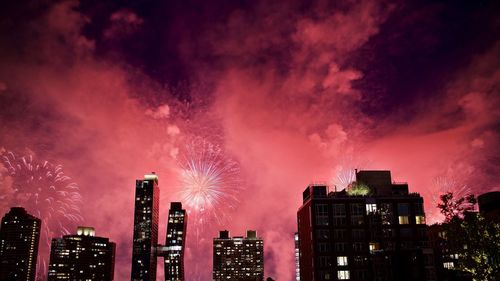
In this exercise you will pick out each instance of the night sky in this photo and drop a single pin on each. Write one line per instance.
(286, 93)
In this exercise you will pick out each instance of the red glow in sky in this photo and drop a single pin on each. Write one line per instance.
(294, 93)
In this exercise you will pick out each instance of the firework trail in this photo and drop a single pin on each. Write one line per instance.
(47, 193)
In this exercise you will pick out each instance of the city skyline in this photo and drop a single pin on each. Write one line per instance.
(238, 106)
(394, 223)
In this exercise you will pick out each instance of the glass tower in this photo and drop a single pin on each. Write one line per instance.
(145, 241)
(19, 238)
(175, 242)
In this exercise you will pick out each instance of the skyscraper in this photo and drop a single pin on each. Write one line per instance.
(238, 258)
(297, 256)
(83, 256)
(375, 230)
(175, 242)
(19, 237)
(146, 215)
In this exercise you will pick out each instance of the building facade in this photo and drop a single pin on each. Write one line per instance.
(175, 243)
(146, 214)
(297, 256)
(374, 230)
(82, 256)
(19, 238)
(238, 258)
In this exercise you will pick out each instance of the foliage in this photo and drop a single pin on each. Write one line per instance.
(475, 239)
(453, 209)
(358, 189)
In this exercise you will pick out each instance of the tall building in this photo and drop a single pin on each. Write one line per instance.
(238, 258)
(375, 230)
(175, 243)
(19, 238)
(146, 216)
(82, 256)
(297, 256)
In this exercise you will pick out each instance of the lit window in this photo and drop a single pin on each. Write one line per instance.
(419, 219)
(371, 208)
(342, 261)
(374, 246)
(448, 265)
(343, 275)
(404, 220)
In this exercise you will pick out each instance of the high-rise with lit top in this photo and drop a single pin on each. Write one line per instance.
(19, 238)
(175, 243)
(82, 256)
(374, 230)
(145, 237)
(238, 258)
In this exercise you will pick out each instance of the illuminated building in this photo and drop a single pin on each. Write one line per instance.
(175, 242)
(297, 256)
(19, 237)
(238, 258)
(83, 256)
(145, 237)
(374, 231)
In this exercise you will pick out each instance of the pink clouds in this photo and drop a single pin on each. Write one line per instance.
(284, 103)
(123, 23)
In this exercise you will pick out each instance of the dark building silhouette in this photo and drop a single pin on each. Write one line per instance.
(445, 260)
(375, 230)
(19, 238)
(489, 205)
(146, 216)
(238, 258)
(82, 256)
(175, 242)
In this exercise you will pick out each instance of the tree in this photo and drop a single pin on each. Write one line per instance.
(475, 239)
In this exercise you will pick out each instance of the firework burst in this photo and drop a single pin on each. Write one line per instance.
(210, 181)
(343, 178)
(46, 192)
(442, 185)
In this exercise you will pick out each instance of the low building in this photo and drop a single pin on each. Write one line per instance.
(238, 258)
(82, 256)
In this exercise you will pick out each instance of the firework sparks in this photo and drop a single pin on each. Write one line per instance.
(209, 180)
(442, 185)
(46, 192)
(343, 178)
